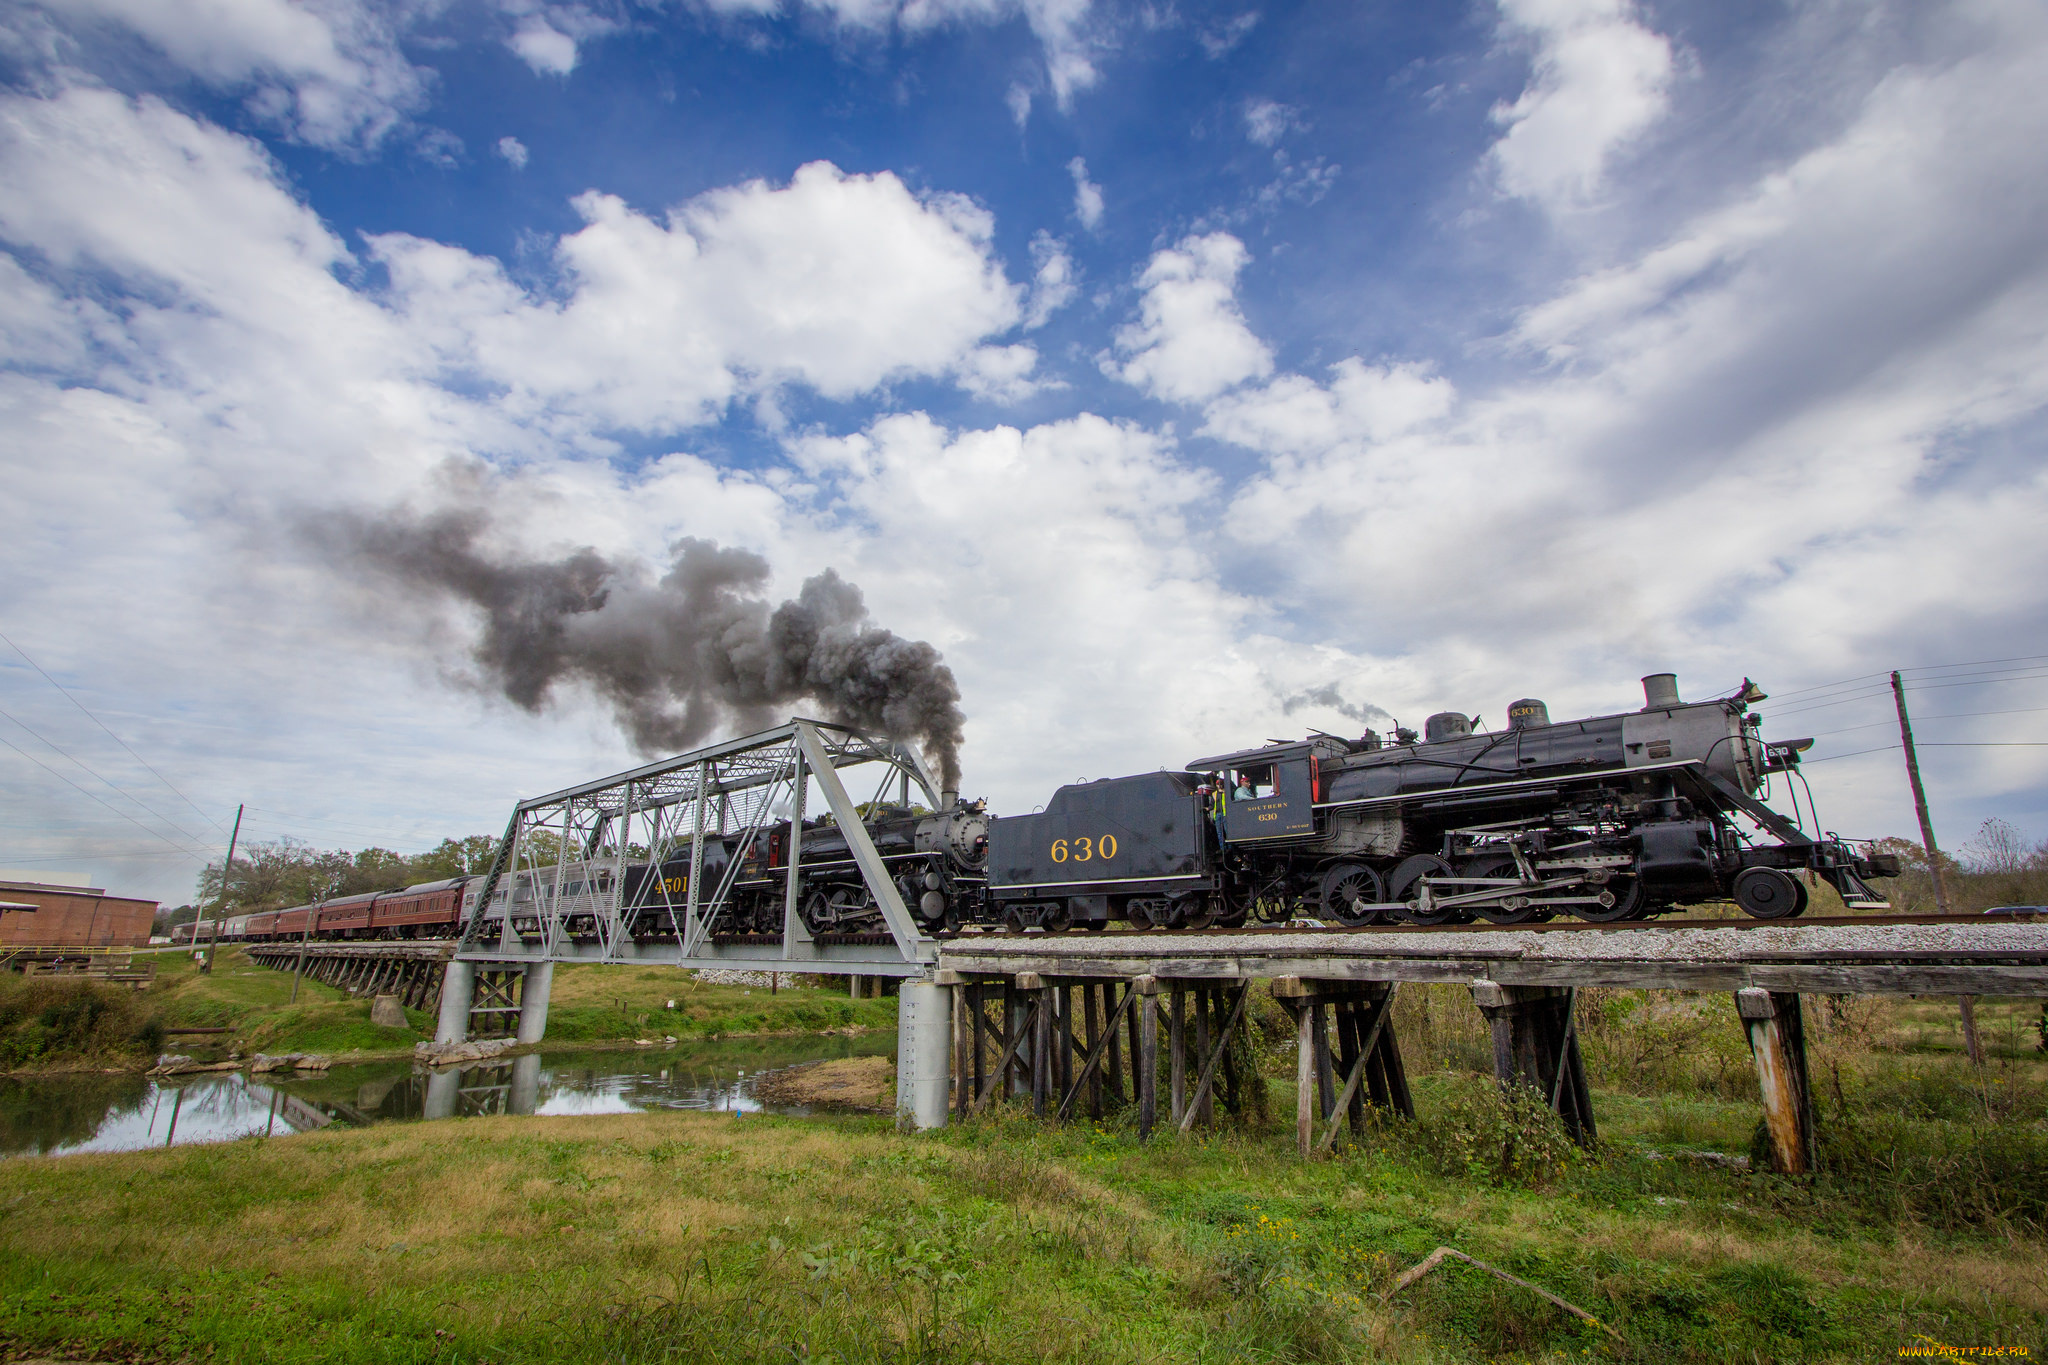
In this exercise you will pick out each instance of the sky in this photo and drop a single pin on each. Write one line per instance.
(1187, 375)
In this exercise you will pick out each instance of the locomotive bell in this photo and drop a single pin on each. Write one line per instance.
(1527, 714)
(1446, 725)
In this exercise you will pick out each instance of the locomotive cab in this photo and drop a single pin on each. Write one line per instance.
(1264, 794)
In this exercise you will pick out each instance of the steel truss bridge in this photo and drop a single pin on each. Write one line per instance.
(558, 889)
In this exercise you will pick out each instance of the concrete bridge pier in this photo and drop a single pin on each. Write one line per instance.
(458, 985)
(924, 1055)
(443, 1086)
(533, 1001)
(524, 1096)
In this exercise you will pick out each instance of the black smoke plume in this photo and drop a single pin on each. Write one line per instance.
(680, 656)
(1329, 698)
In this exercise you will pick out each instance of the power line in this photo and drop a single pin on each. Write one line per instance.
(1945, 715)
(1940, 744)
(1874, 693)
(1977, 663)
(110, 806)
(112, 785)
(1806, 696)
(110, 734)
(1882, 748)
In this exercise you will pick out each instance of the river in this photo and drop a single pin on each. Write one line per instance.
(55, 1115)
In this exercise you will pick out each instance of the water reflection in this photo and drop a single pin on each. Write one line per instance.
(54, 1115)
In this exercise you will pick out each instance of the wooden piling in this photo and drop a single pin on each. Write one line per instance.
(1033, 985)
(1144, 995)
(1177, 1055)
(1777, 1040)
(1304, 1075)
(1535, 1044)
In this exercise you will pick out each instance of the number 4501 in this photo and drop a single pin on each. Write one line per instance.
(1083, 849)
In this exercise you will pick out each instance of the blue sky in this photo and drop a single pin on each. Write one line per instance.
(1157, 363)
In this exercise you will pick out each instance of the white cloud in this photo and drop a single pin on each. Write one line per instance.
(514, 152)
(1061, 27)
(1217, 40)
(1363, 404)
(1053, 281)
(838, 282)
(1599, 79)
(328, 74)
(1267, 121)
(1190, 342)
(1797, 435)
(1000, 374)
(542, 46)
(1087, 194)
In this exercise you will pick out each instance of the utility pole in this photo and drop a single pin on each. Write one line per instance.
(220, 903)
(1934, 870)
(312, 918)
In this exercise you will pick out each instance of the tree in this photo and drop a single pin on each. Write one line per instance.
(2004, 867)
(375, 869)
(288, 872)
(455, 858)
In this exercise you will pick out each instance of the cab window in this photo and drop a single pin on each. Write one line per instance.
(1252, 783)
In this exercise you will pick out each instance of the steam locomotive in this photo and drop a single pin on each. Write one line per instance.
(1609, 818)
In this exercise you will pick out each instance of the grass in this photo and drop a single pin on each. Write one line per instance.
(591, 1003)
(681, 1237)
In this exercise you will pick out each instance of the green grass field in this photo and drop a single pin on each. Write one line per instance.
(683, 1237)
(678, 1237)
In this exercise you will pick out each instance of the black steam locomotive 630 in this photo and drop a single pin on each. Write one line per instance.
(1611, 818)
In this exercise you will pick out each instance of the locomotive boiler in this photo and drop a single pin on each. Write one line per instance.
(1608, 818)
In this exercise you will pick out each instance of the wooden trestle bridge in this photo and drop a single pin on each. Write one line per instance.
(1074, 1024)
(1073, 1021)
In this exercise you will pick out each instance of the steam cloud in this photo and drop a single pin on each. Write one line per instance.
(677, 657)
(1329, 698)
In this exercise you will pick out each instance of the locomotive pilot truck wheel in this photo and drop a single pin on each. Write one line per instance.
(1767, 893)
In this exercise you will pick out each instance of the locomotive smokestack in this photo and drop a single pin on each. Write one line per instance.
(1660, 691)
(949, 798)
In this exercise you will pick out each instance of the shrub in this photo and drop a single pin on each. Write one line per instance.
(1479, 1132)
(44, 1020)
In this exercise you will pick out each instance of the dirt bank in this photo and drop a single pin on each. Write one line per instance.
(863, 1084)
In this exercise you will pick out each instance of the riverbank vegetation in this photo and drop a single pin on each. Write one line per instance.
(677, 1237)
(51, 1023)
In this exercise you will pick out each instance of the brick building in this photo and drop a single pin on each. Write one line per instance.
(51, 914)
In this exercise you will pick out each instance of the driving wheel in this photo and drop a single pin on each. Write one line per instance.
(1405, 887)
(1347, 885)
(1620, 898)
(1515, 908)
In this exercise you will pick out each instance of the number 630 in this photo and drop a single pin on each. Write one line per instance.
(1083, 848)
